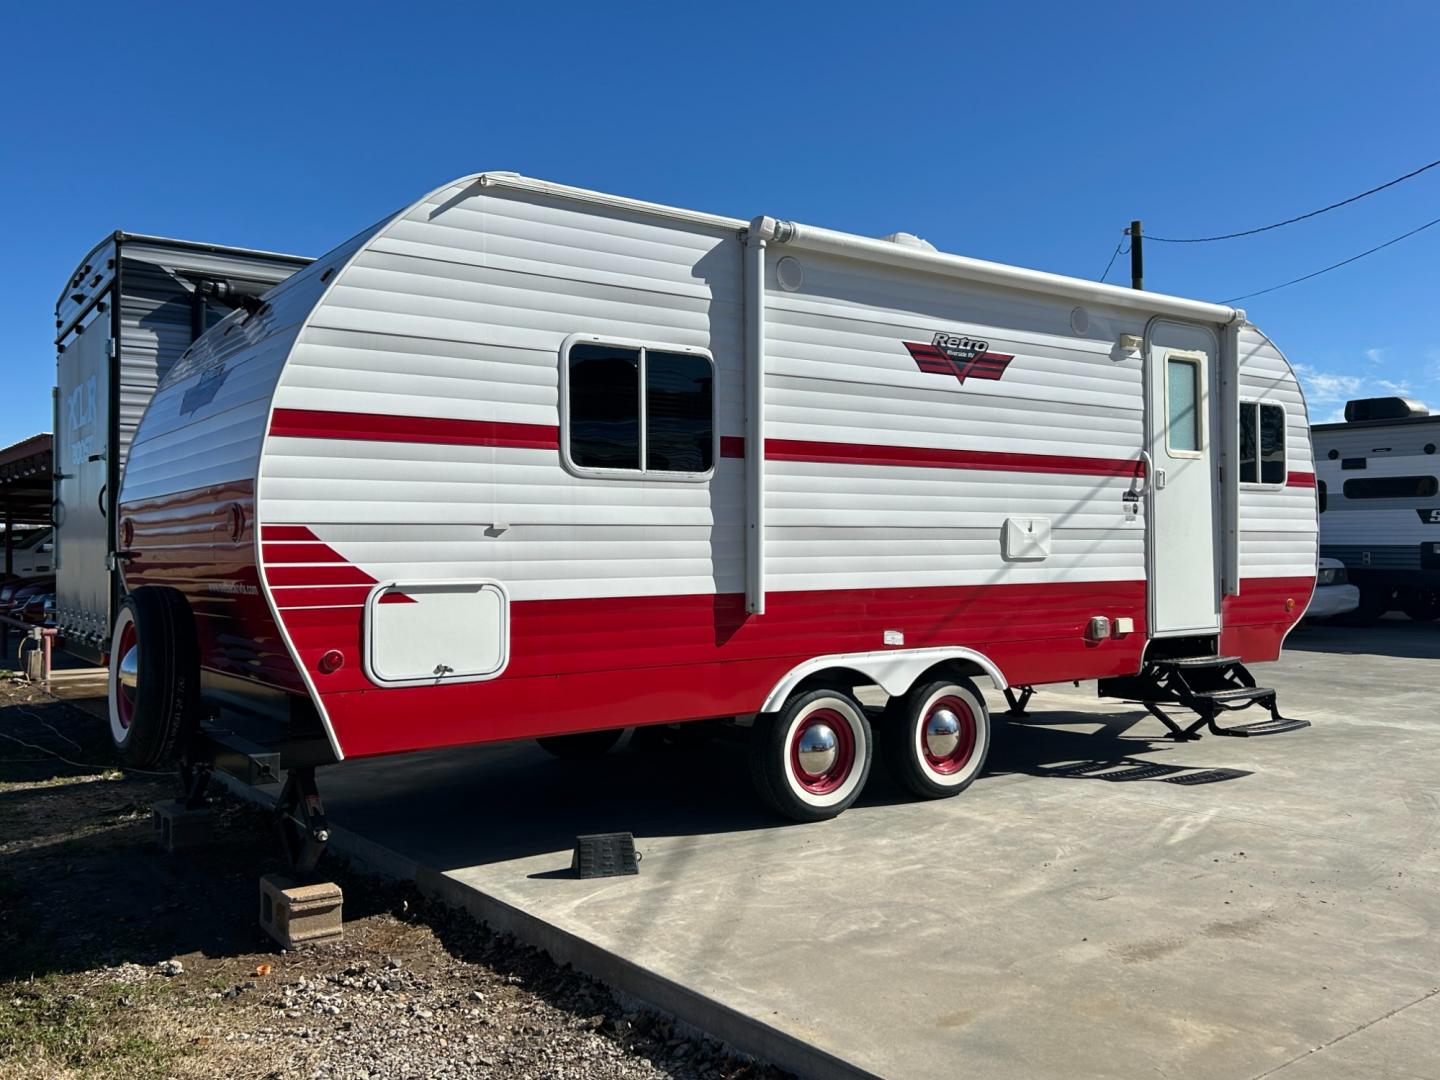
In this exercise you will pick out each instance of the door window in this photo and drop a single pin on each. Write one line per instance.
(1182, 405)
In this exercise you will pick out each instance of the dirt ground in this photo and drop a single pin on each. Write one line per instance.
(118, 960)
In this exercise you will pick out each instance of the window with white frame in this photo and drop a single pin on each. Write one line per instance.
(1262, 443)
(639, 409)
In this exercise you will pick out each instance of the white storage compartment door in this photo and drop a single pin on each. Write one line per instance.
(428, 632)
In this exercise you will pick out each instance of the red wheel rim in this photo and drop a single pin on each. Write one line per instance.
(826, 782)
(958, 758)
(124, 703)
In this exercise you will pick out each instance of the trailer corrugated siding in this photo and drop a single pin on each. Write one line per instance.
(1277, 524)
(463, 318)
(837, 372)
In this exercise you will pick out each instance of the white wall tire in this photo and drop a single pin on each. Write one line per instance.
(154, 678)
(937, 737)
(810, 760)
(123, 648)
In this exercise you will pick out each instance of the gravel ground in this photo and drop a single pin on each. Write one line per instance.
(116, 960)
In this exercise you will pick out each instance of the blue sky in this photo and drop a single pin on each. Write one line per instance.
(1025, 133)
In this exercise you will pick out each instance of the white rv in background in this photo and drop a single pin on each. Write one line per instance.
(528, 461)
(1379, 493)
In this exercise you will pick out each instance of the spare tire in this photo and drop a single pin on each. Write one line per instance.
(154, 677)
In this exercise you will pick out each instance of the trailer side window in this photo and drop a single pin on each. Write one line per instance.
(679, 432)
(604, 407)
(636, 409)
(1392, 487)
(1262, 443)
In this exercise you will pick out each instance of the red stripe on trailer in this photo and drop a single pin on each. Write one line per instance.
(926, 457)
(1300, 479)
(287, 532)
(280, 553)
(378, 427)
(931, 458)
(330, 574)
(496, 433)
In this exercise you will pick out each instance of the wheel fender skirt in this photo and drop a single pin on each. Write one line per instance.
(893, 670)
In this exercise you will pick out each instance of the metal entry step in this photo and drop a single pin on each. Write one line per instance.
(1232, 697)
(1276, 726)
(1207, 686)
(1199, 662)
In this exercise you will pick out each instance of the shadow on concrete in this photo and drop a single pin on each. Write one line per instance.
(487, 804)
(481, 805)
(1394, 635)
(1049, 746)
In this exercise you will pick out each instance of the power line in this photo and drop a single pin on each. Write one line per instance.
(1302, 217)
(1335, 266)
(1113, 256)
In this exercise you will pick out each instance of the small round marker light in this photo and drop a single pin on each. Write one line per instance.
(1289, 604)
(331, 662)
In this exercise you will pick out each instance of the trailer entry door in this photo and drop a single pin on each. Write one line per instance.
(1184, 579)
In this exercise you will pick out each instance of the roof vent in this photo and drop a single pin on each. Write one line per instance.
(1383, 408)
(910, 240)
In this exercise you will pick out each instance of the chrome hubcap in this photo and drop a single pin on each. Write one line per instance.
(128, 676)
(942, 733)
(818, 749)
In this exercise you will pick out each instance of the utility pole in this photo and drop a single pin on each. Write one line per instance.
(1137, 255)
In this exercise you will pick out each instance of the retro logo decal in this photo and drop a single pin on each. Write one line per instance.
(959, 355)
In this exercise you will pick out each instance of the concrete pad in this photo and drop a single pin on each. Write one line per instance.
(1255, 907)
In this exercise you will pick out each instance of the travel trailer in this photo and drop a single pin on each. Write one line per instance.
(529, 461)
(132, 306)
(1379, 488)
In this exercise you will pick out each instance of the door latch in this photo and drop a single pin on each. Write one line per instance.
(1159, 479)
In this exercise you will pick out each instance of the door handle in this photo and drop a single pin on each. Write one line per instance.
(1143, 476)
(1159, 479)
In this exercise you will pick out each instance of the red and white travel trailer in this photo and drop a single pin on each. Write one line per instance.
(525, 460)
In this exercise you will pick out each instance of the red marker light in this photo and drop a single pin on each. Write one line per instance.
(332, 662)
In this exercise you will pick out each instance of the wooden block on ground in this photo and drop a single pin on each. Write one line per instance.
(300, 914)
(179, 828)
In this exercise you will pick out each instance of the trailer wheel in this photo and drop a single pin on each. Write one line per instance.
(154, 676)
(936, 738)
(810, 760)
(1422, 605)
(585, 746)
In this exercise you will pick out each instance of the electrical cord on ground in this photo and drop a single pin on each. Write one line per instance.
(1334, 266)
(1293, 220)
(81, 764)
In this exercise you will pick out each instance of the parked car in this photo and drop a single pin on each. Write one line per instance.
(16, 594)
(39, 609)
(1334, 595)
